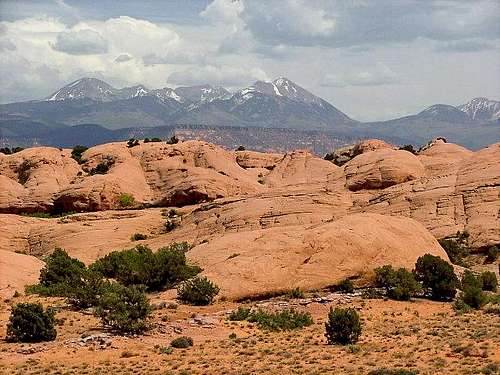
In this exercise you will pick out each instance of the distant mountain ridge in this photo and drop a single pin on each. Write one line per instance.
(277, 104)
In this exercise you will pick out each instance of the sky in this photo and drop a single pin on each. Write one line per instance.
(372, 59)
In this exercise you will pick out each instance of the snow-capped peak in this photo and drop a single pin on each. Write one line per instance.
(482, 109)
(91, 88)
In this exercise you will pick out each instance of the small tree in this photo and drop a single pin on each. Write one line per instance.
(182, 342)
(77, 152)
(399, 284)
(492, 254)
(489, 280)
(343, 326)
(124, 309)
(198, 291)
(61, 269)
(240, 148)
(88, 291)
(437, 277)
(29, 322)
(126, 200)
(173, 140)
(346, 286)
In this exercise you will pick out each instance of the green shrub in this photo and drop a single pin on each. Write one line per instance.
(295, 293)
(474, 297)
(346, 286)
(490, 281)
(10, 151)
(60, 274)
(29, 322)
(88, 291)
(437, 277)
(132, 142)
(102, 167)
(409, 148)
(23, 171)
(197, 291)
(242, 313)
(124, 309)
(469, 279)
(155, 139)
(460, 306)
(240, 148)
(77, 153)
(343, 326)
(182, 342)
(173, 140)
(397, 371)
(146, 140)
(285, 320)
(138, 237)
(170, 225)
(399, 284)
(457, 250)
(492, 254)
(140, 266)
(126, 200)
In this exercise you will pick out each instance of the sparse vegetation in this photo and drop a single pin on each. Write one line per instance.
(77, 152)
(102, 167)
(132, 142)
(437, 277)
(23, 171)
(182, 342)
(138, 237)
(29, 322)
(295, 293)
(492, 254)
(490, 282)
(240, 148)
(409, 148)
(124, 309)
(385, 371)
(472, 290)
(170, 225)
(198, 291)
(343, 326)
(126, 200)
(173, 140)
(346, 286)
(399, 284)
(10, 151)
(284, 320)
(456, 248)
(242, 313)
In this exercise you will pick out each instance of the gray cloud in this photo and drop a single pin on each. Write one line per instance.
(217, 75)
(378, 76)
(465, 46)
(81, 42)
(123, 58)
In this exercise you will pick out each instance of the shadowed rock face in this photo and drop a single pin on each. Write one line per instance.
(294, 219)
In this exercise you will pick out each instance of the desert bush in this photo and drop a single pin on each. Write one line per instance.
(29, 322)
(474, 297)
(23, 171)
(346, 286)
(240, 148)
(456, 249)
(173, 140)
(140, 266)
(77, 152)
(170, 225)
(409, 148)
(469, 279)
(182, 342)
(343, 326)
(124, 309)
(138, 237)
(146, 140)
(242, 313)
(295, 293)
(492, 254)
(397, 371)
(437, 277)
(88, 291)
(10, 151)
(102, 167)
(197, 291)
(132, 142)
(155, 139)
(285, 320)
(59, 275)
(126, 200)
(399, 284)
(489, 280)
(460, 306)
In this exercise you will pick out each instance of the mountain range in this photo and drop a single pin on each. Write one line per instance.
(281, 105)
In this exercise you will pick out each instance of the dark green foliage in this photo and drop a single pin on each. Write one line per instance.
(61, 272)
(469, 279)
(29, 322)
(242, 313)
(492, 254)
(457, 250)
(170, 225)
(474, 297)
(132, 142)
(437, 277)
(146, 140)
(397, 371)
(295, 293)
(23, 171)
(155, 139)
(140, 266)
(124, 309)
(409, 148)
(173, 140)
(126, 200)
(197, 291)
(10, 151)
(346, 286)
(240, 148)
(77, 152)
(343, 326)
(138, 237)
(399, 284)
(88, 291)
(329, 156)
(182, 342)
(285, 320)
(490, 281)
(102, 167)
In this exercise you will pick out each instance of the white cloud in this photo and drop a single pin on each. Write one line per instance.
(377, 75)
(229, 76)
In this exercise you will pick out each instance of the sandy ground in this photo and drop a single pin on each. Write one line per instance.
(419, 335)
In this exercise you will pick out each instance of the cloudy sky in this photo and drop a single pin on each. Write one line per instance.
(372, 59)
